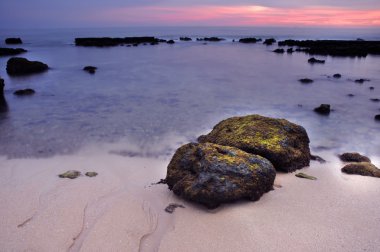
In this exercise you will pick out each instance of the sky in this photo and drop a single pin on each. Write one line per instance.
(118, 13)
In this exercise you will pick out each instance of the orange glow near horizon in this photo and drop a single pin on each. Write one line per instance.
(243, 16)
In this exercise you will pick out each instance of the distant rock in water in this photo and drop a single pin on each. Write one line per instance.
(90, 69)
(70, 174)
(170, 41)
(353, 157)
(185, 39)
(106, 41)
(362, 168)
(349, 48)
(91, 174)
(211, 39)
(269, 41)
(350, 95)
(361, 81)
(22, 66)
(279, 50)
(3, 102)
(377, 117)
(371, 88)
(337, 76)
(212, 174)
(375, 99)
(323, 109)
(249, 40)
(13, 41)
(284, 144)
(306, 81)
(24, 92)
(314, 60)
(290, 50)
(4, 51)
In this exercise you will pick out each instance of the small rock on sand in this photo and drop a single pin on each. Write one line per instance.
(172, 206)
(72, 174)
(91, 174)
(305, 176)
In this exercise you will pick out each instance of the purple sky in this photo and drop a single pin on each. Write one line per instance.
(93, 13)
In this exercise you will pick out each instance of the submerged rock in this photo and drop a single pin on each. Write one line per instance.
(249, 40)
(172, 206)
(107, 41)
(269, 41)
(23, 92)
(361, 81)
(306, 81)
(362, 168)
(279, 50)
(375, 99)
(13, 41)
(3, 102)
(305, 176)
(284, 144)
(70, 174)
(377, 117)
(212, 174)
(11, 51)
(91, 174)
(353, 157)
(290, 50)
(337, 76)
(371, 88)
(211, 39)
(350, 95)
(170, 41)
(314, 60)
(90, 69)
(323, 109)
(22, 66)
(185, 39)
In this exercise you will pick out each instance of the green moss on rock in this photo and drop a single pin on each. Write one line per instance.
(283, 143)
(212, 174)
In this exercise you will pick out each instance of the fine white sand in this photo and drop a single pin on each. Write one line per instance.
(119, 210)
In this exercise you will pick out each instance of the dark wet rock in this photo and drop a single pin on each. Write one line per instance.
(24, 92)
(306, 81)
(350, 95)
(135, 45)
(170, 41)
(371, 88)
(3, 102)
(290, 50)
(377, 117)
(11, 51)
(22, 66)
(323, 109)
(337, 76)
(13, 41)
(353, 157)
(90, 69)
(279, 50)
(314, 61)
(91, 174)
(269, 41)
(317, 158)
(2, 86)
(375, 99)
(284, 144)
(249, 40)
(212, 174)
(185, 39)
(351, 48)
(211, 39)
(305, 176)
(362, 168)
(172, 206)
(361, 81)
(70, 174)
(107, 41)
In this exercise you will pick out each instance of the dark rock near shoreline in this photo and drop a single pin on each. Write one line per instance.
(323, 109)
(269, 41)
(212, 174)
(279, 50)
(22, 66)
(170, 41)
(317, 158)
(249, 40)
(3, 102)
(377, 117)
(13, 41)
(362, 168)
(70, 174)
(284, 144)
(211, 39)
(306, 81)
(375, 99)
(314, 60)
(24, 92)
(351, 48)
(361, 81)
(90, 69)
(106, 41)
(353, 157)
(337, 76)
(4, 51)
(185, 39)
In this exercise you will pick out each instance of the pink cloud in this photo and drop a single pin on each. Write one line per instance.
(240, 16)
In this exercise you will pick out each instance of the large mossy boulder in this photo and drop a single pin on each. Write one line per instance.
(283, 143)
(212, 174)
(22, 66)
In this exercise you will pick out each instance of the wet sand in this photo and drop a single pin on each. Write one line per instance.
(119, 210)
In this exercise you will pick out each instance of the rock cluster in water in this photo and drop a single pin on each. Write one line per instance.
(106, 41)
(238, 159)
(249, 40)
(359, 165)
(22, 66)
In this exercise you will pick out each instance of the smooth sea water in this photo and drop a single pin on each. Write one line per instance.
(166, 95)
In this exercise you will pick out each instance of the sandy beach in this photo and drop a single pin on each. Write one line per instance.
(120, 209)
